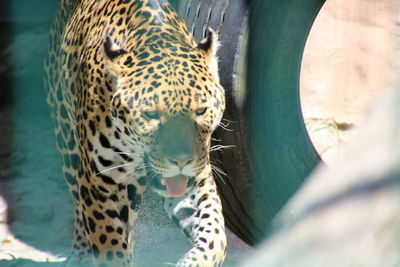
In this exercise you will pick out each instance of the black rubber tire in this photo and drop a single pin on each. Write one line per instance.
(260, 58)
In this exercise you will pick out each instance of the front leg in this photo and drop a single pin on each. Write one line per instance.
(108, 219)
(199, 214)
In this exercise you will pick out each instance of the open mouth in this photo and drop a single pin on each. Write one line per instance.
(176, 186)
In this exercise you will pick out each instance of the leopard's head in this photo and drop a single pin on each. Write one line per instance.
(167, 102)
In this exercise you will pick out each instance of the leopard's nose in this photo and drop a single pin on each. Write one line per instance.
(181, 162)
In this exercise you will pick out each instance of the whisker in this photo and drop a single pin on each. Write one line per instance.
(217, 175)
(228, 121)
(115, 167)
(141, 168)
(225, 128)
(225, 124)
(221, 147)
(218, 172)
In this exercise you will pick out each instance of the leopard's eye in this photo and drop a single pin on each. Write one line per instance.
(201, 111)
(151, 115)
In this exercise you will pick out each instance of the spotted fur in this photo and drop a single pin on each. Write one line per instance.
(135, 100)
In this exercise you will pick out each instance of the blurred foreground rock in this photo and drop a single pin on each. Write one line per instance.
(349, 214)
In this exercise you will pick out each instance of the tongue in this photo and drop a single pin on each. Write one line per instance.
(176, 186)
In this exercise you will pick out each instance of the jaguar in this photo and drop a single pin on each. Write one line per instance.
(135, 99)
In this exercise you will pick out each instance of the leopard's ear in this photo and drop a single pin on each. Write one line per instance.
(112, 50)
(209, 45)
